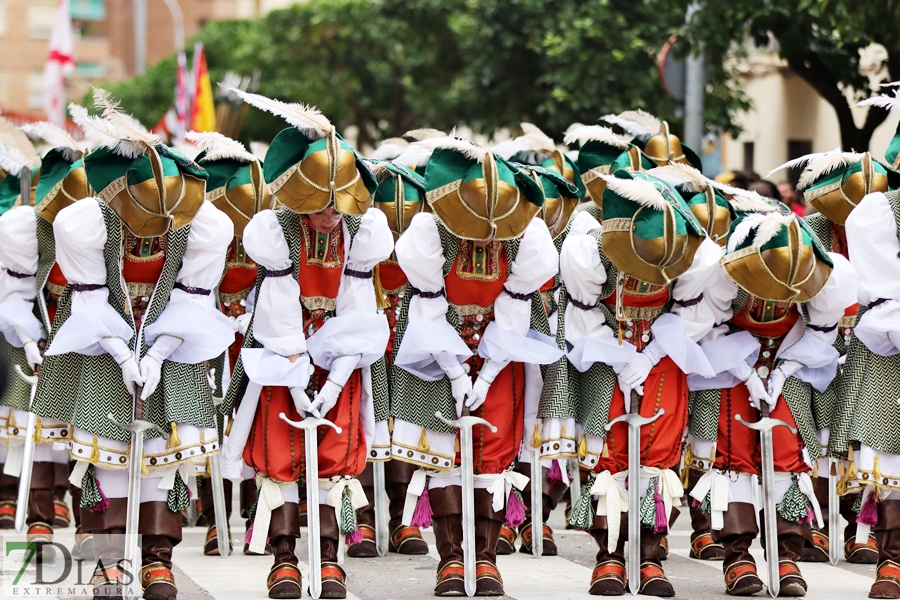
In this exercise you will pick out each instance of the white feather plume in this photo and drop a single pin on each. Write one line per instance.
(219, 147)
(11, 159)
(467, 148)
(767, 226)
(113, 130)
(681, 175)
(800, 161)
(745, 200)
(424, 134)
(417, 154)
(57, 138)
(635, 122)
(305, 118)
(390, 148)
(540, 139)
(14, 137)
(596, 133)
(637, 190)
(885, 101)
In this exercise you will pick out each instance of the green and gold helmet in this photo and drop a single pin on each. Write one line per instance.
(478, 195)
(602, 152)
(704, 197)
(63, 179)
(653, 137)
(151, 187)
(236, 184)
(889, 102)
(648, 230)
(561, 196)
(308, 166)
(775, 256)
(13, 167)
(400, 194)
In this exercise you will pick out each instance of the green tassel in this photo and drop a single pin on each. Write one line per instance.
(857, 505)
(706, 505)
(90, 491)
(179, 497)
(348, 514)
(582, 516)
(648, 507)
(794, 506)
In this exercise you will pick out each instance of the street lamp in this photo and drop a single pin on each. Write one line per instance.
(140, 31)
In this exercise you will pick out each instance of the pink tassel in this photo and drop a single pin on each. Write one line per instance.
(809, 518)
(515, 510)
(868, 513)
(103, 504)
(555, 475)
(248, 535)
(662, 520)
(422, 515)
(353, 538)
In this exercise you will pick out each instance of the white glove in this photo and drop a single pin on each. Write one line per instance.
(341, 369)
(122, 354)
(301, 401)
(243, 321)
(777, 378)
(489, 371)
(151, 364)
(460, 383)
(635, 374)
(758, 393)
(33, 355)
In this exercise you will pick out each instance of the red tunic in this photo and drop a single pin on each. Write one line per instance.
(143, 265)
(56, 282)
(393, 281)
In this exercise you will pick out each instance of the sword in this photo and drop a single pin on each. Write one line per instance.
(537, 512)
(218, 495)
(575, 475)
(834, 514)
(136, 428)
(467, 460)
(381, 510)
(28, 453)
(764, 426)
(635, 421)
(309, 426)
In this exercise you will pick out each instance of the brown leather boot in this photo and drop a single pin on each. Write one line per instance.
(791, 539)
(84, 544)
(446, 508)
(703, 546)
(208, 512)
(107, 529)
(817, 549)
(334, 579)
(887, 535)
(41, 508)
(365, 518)
(62, 516)
(160, 530)
(247, 496)
(653, 578)
(9, 490)
(284, 529)
(609, 577)
(866, 553)
(551, 494)
(487, 531)
(404, 539)
(737, 535)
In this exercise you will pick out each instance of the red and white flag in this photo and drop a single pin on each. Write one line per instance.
(60, 62)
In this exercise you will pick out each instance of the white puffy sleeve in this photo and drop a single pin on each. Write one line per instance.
(357, 329)
(191, 314)
(588, 337)
(875, 255)
(428, 334)
(507, 338)
(277, 314)
(18, 286)
(80, 234)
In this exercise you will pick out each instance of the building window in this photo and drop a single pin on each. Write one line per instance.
(748, 156)
(90, 70)
(796, 149)
(35, 89)
(87, 10)
(40, 18)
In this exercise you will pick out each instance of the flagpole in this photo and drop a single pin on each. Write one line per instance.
(177, 23)
(140, 36)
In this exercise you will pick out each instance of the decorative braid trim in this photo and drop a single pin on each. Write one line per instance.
(86, 287)
(358, 274)
(850, 546)
(738, 571)
(106, 575)
(333, 572)
(61, 509)
(820, 541)
(825, 329)
(888, 571)
(788, 568)
(156, 573)
(579, 304)
(7, 511)
(690, 301)
(39, 531)
(368, 532)
(427, 295)
(508, 535)
(450, 571)
(279, 272)
(18, 275)
(516, 296)
(282, 573)
(526, 534)
(487, 570)
(610, 569)
(650, 572)
(194, 291)
(704, 541)
(405, 533)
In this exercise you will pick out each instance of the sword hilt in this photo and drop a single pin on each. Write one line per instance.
(465, 422)
(309, 424)
(138, 403)
(635, 402)
(765, 423)
(29, 379)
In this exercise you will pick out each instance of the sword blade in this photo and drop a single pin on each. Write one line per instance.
(633, 562)
(219, 509)
(770, 519)
(834, 514)
(575, 487)
(381, 510)
(24, 491)
(132, 513)
(312, 513)
(537, 512)
(468, 505)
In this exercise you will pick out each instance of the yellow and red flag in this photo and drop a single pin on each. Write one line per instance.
(203, 115)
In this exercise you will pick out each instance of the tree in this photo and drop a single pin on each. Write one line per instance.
(820, 40)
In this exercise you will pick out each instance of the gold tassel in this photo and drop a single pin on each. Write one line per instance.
(876, 472)
(815, 469)
(685, 470)
(604, 452)
(851, 471)
(536, 440)
(582, 447)
(144, 469)
(228, 426)
(95, 452)
(380, 297)
(423, 442)
(37, 431)
(174, 440)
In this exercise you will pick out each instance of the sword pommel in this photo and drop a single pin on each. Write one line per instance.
(29, 379)
(309, 423)
(137, 426)
(466, 422)
(765, 424)
(635, 420)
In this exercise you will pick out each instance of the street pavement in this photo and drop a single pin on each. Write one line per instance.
(397, 577)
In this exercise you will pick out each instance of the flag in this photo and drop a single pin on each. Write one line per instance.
(182, 98)
(60, 62)
(203, 115)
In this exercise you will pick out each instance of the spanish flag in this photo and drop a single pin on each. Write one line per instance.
(203, 115)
